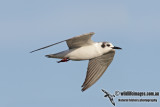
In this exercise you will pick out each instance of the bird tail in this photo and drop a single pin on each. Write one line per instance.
(54, 56)
(51, 56)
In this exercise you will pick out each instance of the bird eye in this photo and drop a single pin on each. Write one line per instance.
(108, 45)
(103, 45)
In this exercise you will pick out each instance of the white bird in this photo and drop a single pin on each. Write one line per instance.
(99, 54)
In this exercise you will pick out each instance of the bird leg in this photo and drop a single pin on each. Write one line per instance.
(63, 60)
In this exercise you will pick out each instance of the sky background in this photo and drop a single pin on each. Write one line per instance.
(32, 80)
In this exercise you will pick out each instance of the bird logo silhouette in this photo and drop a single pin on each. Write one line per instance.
(107, 94)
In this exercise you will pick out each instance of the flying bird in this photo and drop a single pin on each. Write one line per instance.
(109, 96)
(99, 54)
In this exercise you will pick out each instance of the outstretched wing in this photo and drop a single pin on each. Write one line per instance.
(112, 101)
(81, 40)
(96, 68)
(75, 42)
(105, 91)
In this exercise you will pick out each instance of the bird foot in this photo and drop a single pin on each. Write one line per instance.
(63, 60)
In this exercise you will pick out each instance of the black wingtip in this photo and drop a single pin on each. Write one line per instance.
(34, 50)
(82, 90)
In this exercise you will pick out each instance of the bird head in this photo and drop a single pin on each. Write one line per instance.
(106, 46)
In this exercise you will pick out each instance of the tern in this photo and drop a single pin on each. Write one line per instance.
(109, 96)
(99, 54)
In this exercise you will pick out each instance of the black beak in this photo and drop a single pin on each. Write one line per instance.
(116, 47)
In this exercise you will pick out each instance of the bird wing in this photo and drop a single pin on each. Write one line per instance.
(74, 42)
(105, 91)
(112, 101)
(96, 68)
(81, 40)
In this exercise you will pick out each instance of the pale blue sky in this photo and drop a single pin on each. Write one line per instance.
(32, 80)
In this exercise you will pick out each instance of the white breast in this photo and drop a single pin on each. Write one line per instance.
(84, 53)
